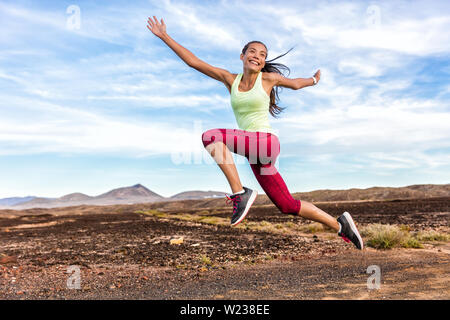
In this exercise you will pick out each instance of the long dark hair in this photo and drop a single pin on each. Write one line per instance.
(274, 109)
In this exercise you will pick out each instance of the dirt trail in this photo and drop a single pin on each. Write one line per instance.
(126, 254)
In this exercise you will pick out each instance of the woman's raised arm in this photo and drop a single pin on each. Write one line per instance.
(159, 30)
(296, 84)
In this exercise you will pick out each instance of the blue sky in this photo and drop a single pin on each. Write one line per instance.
(95, 101)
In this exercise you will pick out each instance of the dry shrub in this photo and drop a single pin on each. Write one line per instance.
(385, 236)
(432, 236)
(311, 227)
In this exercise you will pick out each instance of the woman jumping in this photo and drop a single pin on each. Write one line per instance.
(253, 93)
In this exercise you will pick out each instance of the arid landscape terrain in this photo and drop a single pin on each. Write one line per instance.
(187, 250)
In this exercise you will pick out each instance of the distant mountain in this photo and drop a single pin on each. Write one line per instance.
(189, 195)
(15, 200)
(127, 195)
(75, 197)
(136, 191)
(378, 193)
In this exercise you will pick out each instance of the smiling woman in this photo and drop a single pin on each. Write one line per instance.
(254, 95)
(269, 67)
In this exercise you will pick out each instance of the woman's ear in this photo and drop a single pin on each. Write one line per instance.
(242, 57)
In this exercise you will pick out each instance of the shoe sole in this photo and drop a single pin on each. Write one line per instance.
(353, 227)
(247, 208)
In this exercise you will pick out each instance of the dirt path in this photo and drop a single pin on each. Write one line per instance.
(405, 274)
(125, 254)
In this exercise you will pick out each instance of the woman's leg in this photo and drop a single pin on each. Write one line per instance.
(277, 191)
(263, 166)
(224, 159)
(311, 212)
(258, 147)
(275, 188)
(219, 142)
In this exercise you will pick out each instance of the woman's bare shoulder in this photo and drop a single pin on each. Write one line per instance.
(271, 77)
(231, 77)
(229, 80)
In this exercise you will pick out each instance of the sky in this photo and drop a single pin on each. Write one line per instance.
(91, 100)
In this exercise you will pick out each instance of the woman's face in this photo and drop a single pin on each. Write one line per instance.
(255, 57)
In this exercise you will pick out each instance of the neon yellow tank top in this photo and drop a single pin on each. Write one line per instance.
(251, 108)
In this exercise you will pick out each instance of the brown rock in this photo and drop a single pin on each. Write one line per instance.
(177, 241)
(8, 259)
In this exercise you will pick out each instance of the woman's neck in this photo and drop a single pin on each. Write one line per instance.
(248, 78)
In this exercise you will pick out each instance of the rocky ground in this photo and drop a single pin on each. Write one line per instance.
(151, 252)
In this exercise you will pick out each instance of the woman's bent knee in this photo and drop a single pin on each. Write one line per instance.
(291, 208)
(210, 136)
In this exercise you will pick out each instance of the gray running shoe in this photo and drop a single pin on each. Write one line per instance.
(241, 204)
(349, 232)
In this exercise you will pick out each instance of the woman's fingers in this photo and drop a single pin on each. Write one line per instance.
(155, 24)
(158, 22)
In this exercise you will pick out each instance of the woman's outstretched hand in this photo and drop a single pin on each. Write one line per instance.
(157, 28)
(317, 76)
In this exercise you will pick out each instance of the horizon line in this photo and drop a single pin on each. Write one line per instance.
(139, 184)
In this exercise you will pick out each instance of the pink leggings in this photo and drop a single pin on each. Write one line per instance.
(261, 150)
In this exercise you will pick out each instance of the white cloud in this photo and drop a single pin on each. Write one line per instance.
(111, 24)
(331, 88)
(180, 102)
(360, 67)
(419, 37)
(125, 77)
(198, 21)
(54, 128)
(395, 124)
(381, 137)
(344, 25)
